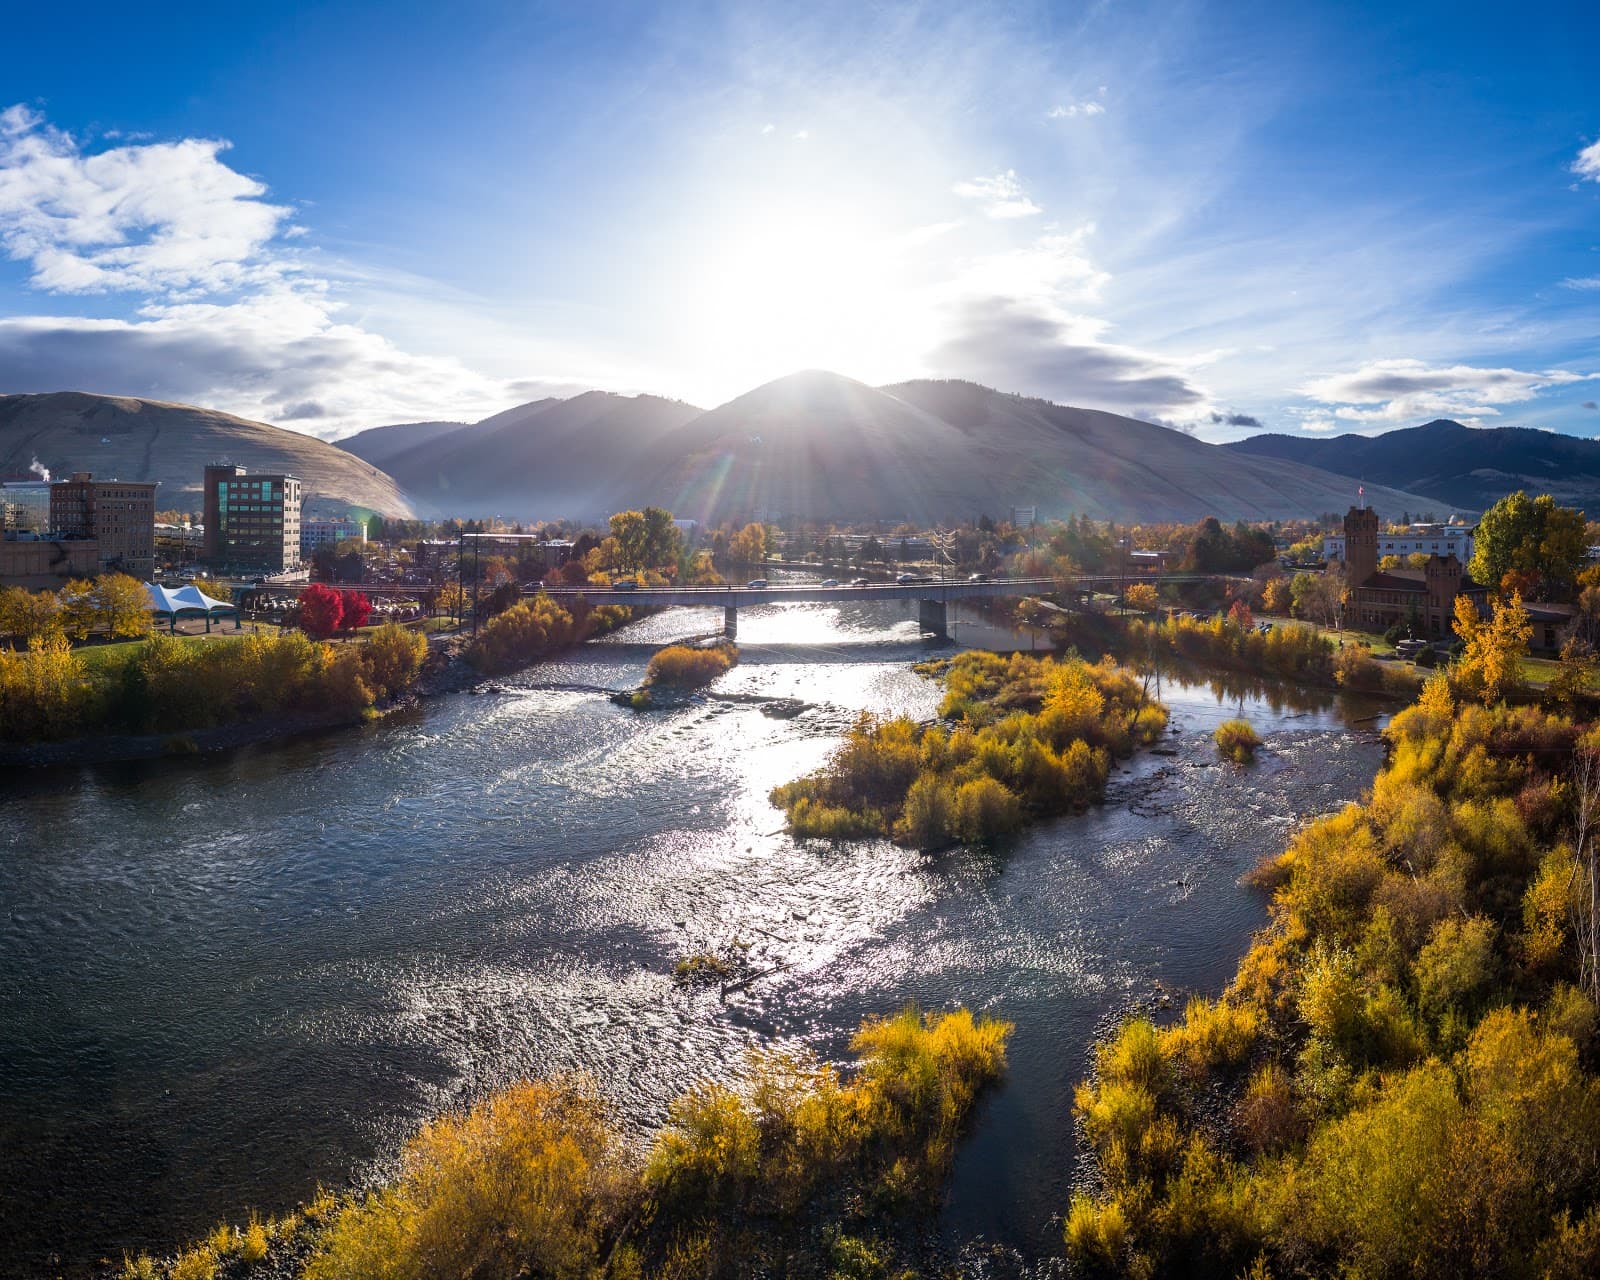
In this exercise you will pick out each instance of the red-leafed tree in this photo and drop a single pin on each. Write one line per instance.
(322, 610)
(357, 609)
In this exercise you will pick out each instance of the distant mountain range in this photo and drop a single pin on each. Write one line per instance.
(813, 445)
(821, 446)
(580, 457)
(129, 439)
(1457, 467)
(380, 445)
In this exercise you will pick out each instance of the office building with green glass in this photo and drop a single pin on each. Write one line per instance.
(252, 520)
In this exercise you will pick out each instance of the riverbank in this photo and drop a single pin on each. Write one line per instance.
(452, 664)
(444, 670)
(1399, 1079)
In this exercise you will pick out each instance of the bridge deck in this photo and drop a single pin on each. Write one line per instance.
(743, 597)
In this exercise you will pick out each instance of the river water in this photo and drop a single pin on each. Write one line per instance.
(223, 981)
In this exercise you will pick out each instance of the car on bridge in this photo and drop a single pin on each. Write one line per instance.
(756, 584)
(907, 579)
(829, 582)
(625, 584)
(860, 582)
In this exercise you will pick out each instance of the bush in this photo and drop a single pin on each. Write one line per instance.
(1401, 1052)
(1033, 737)
(534, 1179)
(682, 666)
(529, 630)
(984, 811)
(1237, 740)
(392, 656)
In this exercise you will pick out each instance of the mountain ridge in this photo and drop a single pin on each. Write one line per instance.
(1448, 462)
(133, 438)
(824, 446)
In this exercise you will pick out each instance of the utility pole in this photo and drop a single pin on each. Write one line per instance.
(477, 577)
(461, 580)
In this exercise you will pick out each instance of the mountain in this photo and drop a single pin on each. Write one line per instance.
(821, 446)
(1458, 467)
(547, 458)
(378, 445)
(926, 451)
(131, 439)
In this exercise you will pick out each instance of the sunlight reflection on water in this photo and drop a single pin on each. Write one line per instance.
(226, 980)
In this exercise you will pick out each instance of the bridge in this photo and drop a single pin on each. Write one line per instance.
(932, 595)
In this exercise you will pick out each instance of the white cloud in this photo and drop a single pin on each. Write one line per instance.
(153, 217)
(1073, 110)
(1581, 282)
(1054, 268)
(1025, 345)
(1393, 391)
(280, 356)
(1002, 195)
(1587, 165)
(223, 315)
(927, 234)
(1011, 319)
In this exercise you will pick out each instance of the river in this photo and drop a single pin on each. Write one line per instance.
(225, 980)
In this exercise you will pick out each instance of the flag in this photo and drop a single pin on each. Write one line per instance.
(1361, 491)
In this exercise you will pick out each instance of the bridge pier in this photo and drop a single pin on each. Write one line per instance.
(931, 617)
(730, 622)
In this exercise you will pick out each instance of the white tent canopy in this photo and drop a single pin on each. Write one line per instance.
(186, 600)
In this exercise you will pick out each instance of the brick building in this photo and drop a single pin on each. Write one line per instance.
(1424, 599)
(119, 515)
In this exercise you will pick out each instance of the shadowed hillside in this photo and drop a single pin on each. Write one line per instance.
(825, 446)
(818, 445)
(1458, 467)
(380, 445)
(551, 457)
(131, 439)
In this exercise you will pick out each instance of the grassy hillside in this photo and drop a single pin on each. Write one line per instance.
(131, 439)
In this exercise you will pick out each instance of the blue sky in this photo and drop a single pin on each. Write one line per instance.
(1311, 217)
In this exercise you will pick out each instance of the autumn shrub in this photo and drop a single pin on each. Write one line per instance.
(1287, 650)
(199, 1263)
(683, 666)
(1213, 1035)
(532, 629)
(253, 1241)
(1401, 1057)
(392, 656)
(752, 1167)
(44, 693)
(533, 1180)
(1237, 740)
(1027, 738)
(984, 810)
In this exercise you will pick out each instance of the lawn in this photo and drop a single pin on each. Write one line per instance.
(105, 659)
(1538, 672)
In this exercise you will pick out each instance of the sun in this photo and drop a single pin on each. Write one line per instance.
(821, 286)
